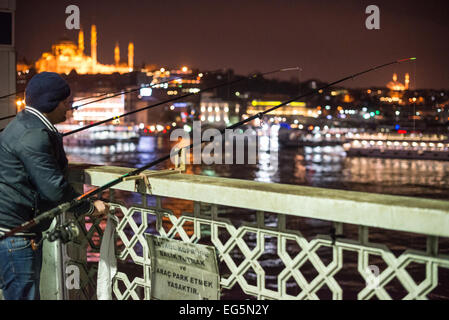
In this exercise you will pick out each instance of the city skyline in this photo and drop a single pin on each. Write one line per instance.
(328, 42)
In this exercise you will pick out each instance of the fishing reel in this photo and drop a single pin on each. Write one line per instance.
(66, 232)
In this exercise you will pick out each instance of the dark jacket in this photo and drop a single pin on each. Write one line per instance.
(32, 166)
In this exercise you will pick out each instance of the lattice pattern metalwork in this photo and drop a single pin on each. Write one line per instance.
(205, 224)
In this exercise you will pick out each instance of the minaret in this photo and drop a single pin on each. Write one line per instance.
(81, 42)
(407, 81)
(117, 54)
(131, 56)
(395, 77)
(93, 46)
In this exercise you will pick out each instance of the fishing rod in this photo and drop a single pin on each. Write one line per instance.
(71, 204)
(176, 98)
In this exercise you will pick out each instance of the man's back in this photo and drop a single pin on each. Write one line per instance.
(26, 147)
(32, 165)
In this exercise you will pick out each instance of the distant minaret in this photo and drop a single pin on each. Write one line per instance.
(117, 54)
(407, 81)
(93, 46)
(395, 77)
(131, 56)
(81, 42)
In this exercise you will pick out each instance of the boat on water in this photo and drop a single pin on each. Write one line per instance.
(297, 138)
(100, 136)
(376, 145)
(403, 146)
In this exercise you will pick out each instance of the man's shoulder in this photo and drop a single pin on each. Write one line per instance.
(29, 121)
(24, 131)
(22, 122)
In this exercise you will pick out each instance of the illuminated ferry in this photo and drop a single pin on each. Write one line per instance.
(99, 136)
(405, 146)
(312, 136)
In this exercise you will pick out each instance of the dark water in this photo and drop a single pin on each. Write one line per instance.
(325, 167)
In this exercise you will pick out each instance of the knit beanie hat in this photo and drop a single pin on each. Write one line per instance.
(45, 91)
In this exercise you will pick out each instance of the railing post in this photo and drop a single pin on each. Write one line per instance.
(432, 245)
(363, 234)
(338, 226)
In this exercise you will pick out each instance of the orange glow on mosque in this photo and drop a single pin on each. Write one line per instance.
(66, 56)
(395, 85)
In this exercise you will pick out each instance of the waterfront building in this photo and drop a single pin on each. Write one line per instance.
(293, 109)
(185, 79)
(218, 112)
(99, 110)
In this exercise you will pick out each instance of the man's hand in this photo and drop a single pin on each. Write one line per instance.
(101, 209)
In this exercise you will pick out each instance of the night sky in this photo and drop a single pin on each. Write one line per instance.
(326, 38)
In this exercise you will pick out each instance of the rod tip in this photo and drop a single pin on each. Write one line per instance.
(290, 69)
(408, 59)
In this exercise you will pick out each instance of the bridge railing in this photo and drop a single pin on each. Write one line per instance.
(274, 241)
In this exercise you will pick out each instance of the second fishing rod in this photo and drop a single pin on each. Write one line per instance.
(68, 205)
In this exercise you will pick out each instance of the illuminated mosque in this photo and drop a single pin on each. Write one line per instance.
(66, 56)
(395, 85)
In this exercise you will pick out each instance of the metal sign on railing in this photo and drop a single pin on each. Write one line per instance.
(183, 271)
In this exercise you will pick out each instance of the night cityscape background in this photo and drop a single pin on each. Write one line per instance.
(326, 40)
(385, 132)
(398, 115)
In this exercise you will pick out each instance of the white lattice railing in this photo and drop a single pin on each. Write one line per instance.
(274, 241)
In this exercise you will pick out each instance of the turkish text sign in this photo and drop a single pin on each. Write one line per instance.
(183, 271)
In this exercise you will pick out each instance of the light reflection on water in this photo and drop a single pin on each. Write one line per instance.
(416, 178)
(326, 167)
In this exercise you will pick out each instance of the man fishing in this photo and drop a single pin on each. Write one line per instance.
(32, 181)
